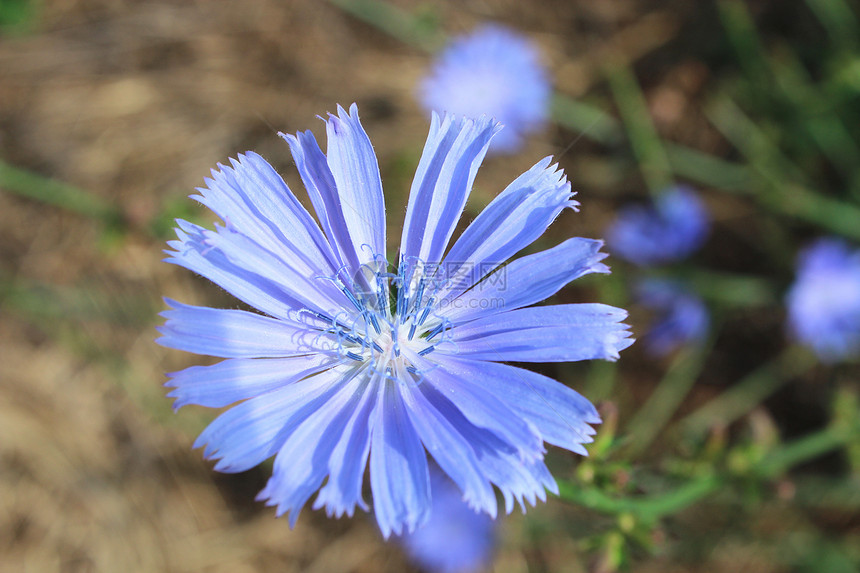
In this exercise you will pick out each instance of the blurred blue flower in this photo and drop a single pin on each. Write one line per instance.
(494, 71)
(455, 539)
(682, 317)
(350, 364)
(824, 302)
(669, 230)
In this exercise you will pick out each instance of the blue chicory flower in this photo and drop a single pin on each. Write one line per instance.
(824, 301)
(682, 317)
(494, 71)
(350, 364)
(669, 230)
(456, 538)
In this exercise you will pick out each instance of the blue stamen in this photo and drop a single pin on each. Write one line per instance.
(419, 295)
(426, 351)
(352, 299)
(436, 331)
(354, 356)
(374, 322)
(412, 330)
(426, 311)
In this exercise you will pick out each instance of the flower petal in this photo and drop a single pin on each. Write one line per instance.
(252, 198)
(238, 379)
(450, 450)
(557, 333)
(311, 288)
(500, 462)
(316, 175)
(454, 150)
(399, 477)
(238, 333)
(527, 280)
(481, 408)
(342, 491)
(254, 430)
(302, 462)
(561, 415)
(512, 221)
(191, 251)
(356, 175)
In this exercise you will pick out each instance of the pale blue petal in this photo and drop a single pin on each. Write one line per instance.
(191, 251)
(501, 463)
(527, 280)
(512, 221)
(454, 150)
(255, 430)
(356, 175)
(237, 333)
(558, 333)
(238, 379)
(482, 408)
(450, 450)
(399, 477)
(311, 289)
(252, 198)
(561, 415)
(313, 168)
(342, 491)
(302, 463)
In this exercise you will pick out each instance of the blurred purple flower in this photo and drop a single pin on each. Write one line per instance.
(349, 365)
(682, 317)
(455, 539)
(824, 302)
(669, 230)
(494, 71)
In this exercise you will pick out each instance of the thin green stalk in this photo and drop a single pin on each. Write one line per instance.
(646, 142)
(803, 450)
(782, 191)
(707, 169)
(727, 289)
(585, 119)
(52, 192)
(664, 401)
(839, 20)
(742, 35)
(648, 508)
(412, 30)
(749, 392)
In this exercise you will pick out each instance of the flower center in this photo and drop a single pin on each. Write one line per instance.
(392, 320)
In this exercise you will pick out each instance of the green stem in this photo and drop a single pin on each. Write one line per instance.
(666, 398)
(587, 120)
(648, 508)
(646, 142)
(397, 23)
(52, 192)
(748, 392)
(781, 191)
(802, 450)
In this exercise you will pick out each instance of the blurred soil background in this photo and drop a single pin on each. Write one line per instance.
(134, 102)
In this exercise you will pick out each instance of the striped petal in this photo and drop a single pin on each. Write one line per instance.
(238, 379)
(557, 333)
(356, 175)
(512, 221)
(238, 333)
(454, 150)
(399, 476)
(527, 280)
